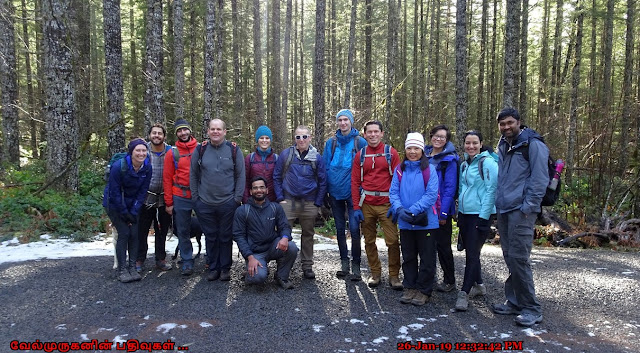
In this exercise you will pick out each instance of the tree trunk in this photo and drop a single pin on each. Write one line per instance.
(279, 123)
(235, 49)
(257, 59)
(575, 84)
(510, 56)
(608, 54)
(31, 109)
(97, 83)
(61, 122)
(193, 44)
(79, 27)
(368, 66)
(9, 85)
(481, 97)
(154, 94)
(627, 98)
(113, 75)
(285, 68)
(392, 49)
(351, 54)
(461, 70)
(209, 67)
(555, 62)
(318, 75)
(543, 76)
(524, 47)
(493, 88)
(178, 57)
(136, 113)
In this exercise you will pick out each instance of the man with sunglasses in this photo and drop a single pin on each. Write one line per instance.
(300, 183)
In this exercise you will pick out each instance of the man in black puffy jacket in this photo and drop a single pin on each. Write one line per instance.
(262, 232)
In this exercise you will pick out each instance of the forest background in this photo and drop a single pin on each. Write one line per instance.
(80, 77)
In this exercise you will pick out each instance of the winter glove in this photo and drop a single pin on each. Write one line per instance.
(130, 219)
(358, 216)
(405, 215)
(482, 225)
(393, 215)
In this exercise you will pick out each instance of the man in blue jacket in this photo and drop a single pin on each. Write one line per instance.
(339, 152)
(523, 178)
(300, 182)
(262, 232)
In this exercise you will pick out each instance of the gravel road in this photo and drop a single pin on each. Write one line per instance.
(589, 298)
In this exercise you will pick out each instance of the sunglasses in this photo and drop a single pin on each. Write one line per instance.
(304, 137)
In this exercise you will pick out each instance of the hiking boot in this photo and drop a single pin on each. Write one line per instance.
(163, 265)
(528, 319)
(373, 281)
(186, 271)
(446, 287)
(285, 284)
(462, 303)
(213, 275)
(135, 276)
(408, 295)
(344, 270)
(419, 299)
(225, 276)
(308, 274)
(395, 283)
(124, 276)
(505, 309)
(355, 270)
(476, 290)
(139, 266)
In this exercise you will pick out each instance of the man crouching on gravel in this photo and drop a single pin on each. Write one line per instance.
(262, 232)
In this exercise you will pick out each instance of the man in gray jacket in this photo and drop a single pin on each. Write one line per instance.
(262, 232)
(523, 178)
(217, 183)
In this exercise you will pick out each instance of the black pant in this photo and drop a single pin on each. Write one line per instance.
(161, 222)
(473, 241)
(445, 255)
(127, 240)
(414, 244)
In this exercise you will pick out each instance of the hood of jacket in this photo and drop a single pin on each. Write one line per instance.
(448, 153)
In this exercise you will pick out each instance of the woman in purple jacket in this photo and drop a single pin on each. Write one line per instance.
(261, 162)
(442, 155)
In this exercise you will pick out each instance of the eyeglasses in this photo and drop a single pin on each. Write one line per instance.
(304, 137)
(439, 138)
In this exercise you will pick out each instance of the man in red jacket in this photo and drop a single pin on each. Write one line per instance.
(177, 195)
(370, 182)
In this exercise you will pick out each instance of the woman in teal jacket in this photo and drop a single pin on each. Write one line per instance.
(476, 204)
(413, 195)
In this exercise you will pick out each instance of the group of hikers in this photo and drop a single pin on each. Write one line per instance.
(254, 200)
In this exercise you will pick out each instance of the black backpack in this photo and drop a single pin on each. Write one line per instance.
(551, 196)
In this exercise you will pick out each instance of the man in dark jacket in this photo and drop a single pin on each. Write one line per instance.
(262, 232)
(217, 182)
(300, 182)
(523, 178)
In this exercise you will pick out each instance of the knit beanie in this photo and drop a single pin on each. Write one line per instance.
(134, 143)
(414, 139)
(180, 123)
(263, 131)
(347, 113)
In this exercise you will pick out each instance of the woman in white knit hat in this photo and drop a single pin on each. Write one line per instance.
(414, 206)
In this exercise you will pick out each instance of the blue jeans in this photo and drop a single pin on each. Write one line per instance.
(127, 240)
(339, 208)
(284, 261)
(217, 225)
(182, 208)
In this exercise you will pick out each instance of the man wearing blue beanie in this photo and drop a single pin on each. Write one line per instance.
(339, 152)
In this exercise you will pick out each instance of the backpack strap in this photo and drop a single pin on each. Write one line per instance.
(480, 167)
(334, 142)
(387, 155)
(246, 212)
(287, 163)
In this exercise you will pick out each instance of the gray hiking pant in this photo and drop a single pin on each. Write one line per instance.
(516, 239)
